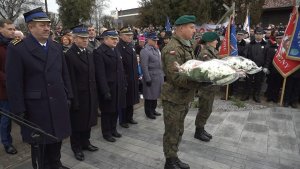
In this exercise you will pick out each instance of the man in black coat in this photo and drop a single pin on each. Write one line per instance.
(255, 51)
(84, 104)
(111, 84)
(130, 65)
(274, 80)
(38, 88)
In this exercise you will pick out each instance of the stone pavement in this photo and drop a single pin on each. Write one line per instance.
(256, 138)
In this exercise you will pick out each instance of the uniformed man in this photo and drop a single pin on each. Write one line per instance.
(153, 76)
(111, 83)
(178, 91)
(130, 65)
(84, 104)
(38, 88)
(206, 94)
(255, 51)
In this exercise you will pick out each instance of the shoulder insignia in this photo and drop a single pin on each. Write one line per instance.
(172, 52)
(16, 41)
(55, 41)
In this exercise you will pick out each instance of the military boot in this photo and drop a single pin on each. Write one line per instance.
(171, 164)
(207, 134)
(256, 98)
(245, 97)
(199, 134)
(181, 164)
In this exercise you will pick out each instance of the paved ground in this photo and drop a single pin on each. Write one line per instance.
(256, 137)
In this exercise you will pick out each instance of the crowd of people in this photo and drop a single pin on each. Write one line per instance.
(62, 80)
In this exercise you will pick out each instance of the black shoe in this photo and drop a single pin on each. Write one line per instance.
(199, 134)
(116, 134)
(256, 99)
(90, 147)
(245, 98)
(181, 164)
(151, 116)
(285, 105)
(124, 125)
(79, 155)
(207, 134)
(132, 121)
(10, 149)
(294, 105)
(156, 113)
(63, 167)
(171, 164)
(109, 139)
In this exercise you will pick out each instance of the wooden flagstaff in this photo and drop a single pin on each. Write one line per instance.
(227, 92)
(282, 91)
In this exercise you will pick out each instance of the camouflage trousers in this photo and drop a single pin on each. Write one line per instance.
(205, 105)
(174, 115)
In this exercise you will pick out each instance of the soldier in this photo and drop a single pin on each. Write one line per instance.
(153, 76)
(207, 94)
(130, 65)
(38, 88)
(7, 34)
(111, 83)
(93, 42)
(178, 91)
(255, 51)
(84, 104)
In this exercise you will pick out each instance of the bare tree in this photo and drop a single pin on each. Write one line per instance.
(11, 9)
(97, 13)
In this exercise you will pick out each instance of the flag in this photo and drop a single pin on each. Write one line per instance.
(229, 43)
(168, 25)
(246, 26)
(281, 60)
(294, 48)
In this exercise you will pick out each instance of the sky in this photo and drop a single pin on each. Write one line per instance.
(113, 4)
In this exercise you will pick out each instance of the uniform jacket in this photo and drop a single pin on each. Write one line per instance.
(177, 88)
(3, 49)
(152, 71)
(271, 50)
(84, 105)
(93, 45)
(38, 83)
(129, 60)
(256, 52)
(110, 78)
(241, 47)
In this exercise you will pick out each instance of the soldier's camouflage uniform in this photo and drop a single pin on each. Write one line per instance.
(177, 93)
(206, 94)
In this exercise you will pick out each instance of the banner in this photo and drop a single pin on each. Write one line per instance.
(294, 49)
(246, 26)
(168, 25)
(229, 43)
(282, 63)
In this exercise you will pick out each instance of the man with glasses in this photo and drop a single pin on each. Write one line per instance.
(93, 42)
(39, 89)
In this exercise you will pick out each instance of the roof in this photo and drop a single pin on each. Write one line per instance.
(277, 4)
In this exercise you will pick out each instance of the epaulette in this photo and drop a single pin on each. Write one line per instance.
(16, 41)
(55, 41)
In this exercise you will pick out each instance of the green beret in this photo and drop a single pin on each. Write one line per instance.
(209, 36)
(185, 19)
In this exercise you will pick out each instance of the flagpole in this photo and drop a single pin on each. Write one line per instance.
(227, 92)
(282, 91)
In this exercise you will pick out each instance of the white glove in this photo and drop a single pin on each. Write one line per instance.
(266, 71)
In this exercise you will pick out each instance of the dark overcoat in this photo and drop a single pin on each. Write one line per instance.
(84, 105)
(129, 60)
(3, 48)
(110, 78)
(38, 84)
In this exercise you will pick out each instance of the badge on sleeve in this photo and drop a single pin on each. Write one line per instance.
(173, 52)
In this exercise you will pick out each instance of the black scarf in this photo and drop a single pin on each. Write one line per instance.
(4, 40)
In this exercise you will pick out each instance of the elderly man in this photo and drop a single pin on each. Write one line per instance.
(130, 65)
(38, 88)
(178, 91)
(84, 105)
(153, 76)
